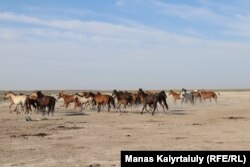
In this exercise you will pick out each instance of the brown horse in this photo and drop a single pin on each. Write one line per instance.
(208, 95)
(122, 98)
(149, 99)
(100, 99)
(197, 95)
(67, 98)
(175, 95)
(135, 98)
(44, 101)
(31, 103)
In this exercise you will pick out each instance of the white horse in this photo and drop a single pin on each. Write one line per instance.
(86, 101)
(186, 96)
(16, 100)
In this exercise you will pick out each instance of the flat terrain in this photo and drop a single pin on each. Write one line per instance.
(96, 139)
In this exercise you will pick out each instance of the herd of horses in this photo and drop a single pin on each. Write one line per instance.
(118, 99)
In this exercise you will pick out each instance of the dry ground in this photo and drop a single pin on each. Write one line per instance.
(96, 139)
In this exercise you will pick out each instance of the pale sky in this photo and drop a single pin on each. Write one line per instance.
(124, 44)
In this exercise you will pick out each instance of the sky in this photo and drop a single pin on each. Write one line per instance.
(124, 44)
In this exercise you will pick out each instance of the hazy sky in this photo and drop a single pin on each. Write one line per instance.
(124, 44)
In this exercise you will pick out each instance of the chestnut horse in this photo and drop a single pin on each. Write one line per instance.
(100, 99)
(208, 95)
(67, 98)
(175, 95)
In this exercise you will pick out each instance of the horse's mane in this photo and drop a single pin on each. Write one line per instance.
(39, 93)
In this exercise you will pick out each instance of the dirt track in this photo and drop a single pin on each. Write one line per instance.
(96, 139)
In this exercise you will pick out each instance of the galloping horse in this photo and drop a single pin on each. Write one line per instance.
(83, 100)
(197, 95)
(187, 96)
(31, 102)
(100, 99)
(122, 98)
(16, 100)
(208, 95)
(44, 101)
(67, 98)
(176, 96)
(135, 98)
(148, 99)
(162, 99)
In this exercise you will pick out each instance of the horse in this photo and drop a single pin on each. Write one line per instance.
(135, 99)
(100, 99)
(83, 100)
(16, 100)
(31, 102)
(186, 96)
(77, 104)
(176, 96)
(44, 101)
(197, 95)
(122, 98)
(162, 99)
(208, 95)
(148, 99)
(67, 98)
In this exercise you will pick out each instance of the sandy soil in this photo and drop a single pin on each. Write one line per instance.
(96, 139)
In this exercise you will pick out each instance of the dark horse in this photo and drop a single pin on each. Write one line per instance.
(44, 101)
(122, 98)
(162, 99)
(31, 103)
(152, 100)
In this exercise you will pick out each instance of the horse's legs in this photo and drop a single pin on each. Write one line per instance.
(146, 108)
(155, 105)
(22, 107)
(98, 107)
(109, 107)
(26, 109)
(10, 107)
(81, 106)
(162, 106)
(49, 110)
(182, 100)
(143, 108)
(118, 106)
(43, 110)
(16, 108)
(192, 100)
(166, 104)
(113, 103)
